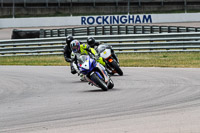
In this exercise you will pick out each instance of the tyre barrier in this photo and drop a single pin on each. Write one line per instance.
(24, 34)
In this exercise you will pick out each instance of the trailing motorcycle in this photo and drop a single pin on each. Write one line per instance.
(94, 72)
(110, 58)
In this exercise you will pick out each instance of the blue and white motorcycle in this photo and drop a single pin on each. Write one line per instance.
(94, 72)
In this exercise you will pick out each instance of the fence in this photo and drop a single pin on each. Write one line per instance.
(59, 3)
(166, 42)
(24, 8)
(114, 30)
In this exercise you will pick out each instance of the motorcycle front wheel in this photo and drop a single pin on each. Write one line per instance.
(111, 84)
(116, 67)
(99, 82)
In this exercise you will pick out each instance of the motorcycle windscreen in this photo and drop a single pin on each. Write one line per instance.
(106, 53)
(101, 48)
(86, 64)
(83, 64)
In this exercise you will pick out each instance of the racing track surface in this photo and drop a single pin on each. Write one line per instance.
(46, 99)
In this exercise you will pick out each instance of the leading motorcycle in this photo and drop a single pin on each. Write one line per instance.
(94, 72)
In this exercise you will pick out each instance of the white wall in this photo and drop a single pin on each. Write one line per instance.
(180, 17)
(122, 19)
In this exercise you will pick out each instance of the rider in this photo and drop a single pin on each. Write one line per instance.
(83, 49)
(67, 49)
(94, 44)
(67, 53)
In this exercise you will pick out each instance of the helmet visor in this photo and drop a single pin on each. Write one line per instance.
(75, 48)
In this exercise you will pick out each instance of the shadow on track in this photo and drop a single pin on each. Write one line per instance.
(99, 90)
(78, 81)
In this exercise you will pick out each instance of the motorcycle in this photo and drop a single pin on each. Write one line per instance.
(94, 72)
(110, 59)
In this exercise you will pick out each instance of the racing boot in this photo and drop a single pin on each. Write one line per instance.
(82, 77)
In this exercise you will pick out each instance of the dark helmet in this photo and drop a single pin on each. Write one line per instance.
(91, 41)
(69, 39)
(75, 46)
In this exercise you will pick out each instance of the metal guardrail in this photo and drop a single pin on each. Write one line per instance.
(114, 30)
(165, 42)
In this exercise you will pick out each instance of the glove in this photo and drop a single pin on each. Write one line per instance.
(68, 60)
(96, 57)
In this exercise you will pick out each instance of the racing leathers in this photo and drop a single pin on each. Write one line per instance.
(84, 49)
(67, 54)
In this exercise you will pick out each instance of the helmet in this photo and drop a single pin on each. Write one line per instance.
(75, 46)
(91, 41)
(69, 39)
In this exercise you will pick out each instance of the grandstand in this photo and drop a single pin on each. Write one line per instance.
(64, 3)
(94, 7)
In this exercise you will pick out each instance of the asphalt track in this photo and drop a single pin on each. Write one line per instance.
(49, 99)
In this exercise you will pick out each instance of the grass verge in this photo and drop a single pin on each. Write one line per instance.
(182, 59)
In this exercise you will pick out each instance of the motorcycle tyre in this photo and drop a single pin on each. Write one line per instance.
(99, 82)
(117, 68)
(111, 84)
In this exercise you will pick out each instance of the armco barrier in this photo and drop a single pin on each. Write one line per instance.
(165, 42)
(114, 30)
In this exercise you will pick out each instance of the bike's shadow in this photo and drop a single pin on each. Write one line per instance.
(99, 90)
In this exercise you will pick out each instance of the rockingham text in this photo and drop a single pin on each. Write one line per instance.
(121, 19)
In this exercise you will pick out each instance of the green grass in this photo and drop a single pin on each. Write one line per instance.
(184, 59)
(189, 59)
(53, 60)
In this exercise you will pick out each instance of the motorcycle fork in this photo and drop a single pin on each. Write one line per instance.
(89, 79)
